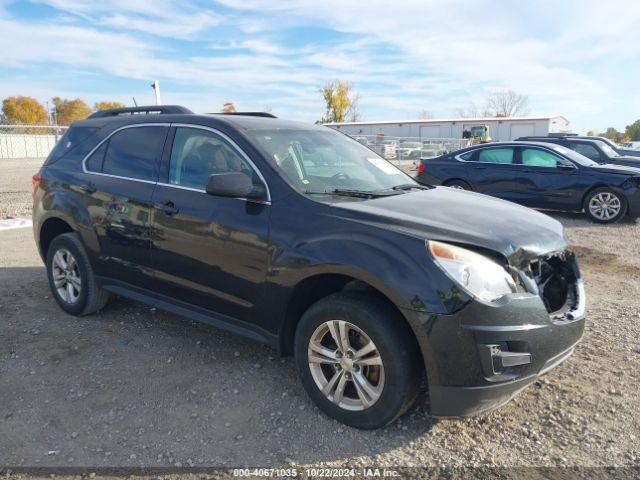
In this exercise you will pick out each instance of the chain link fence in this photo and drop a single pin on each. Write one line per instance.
(28, 141)
(405, 152)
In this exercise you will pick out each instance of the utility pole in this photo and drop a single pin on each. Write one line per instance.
(156, 87)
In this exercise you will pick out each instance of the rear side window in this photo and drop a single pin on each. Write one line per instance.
(131, 153)
(539, 158)
(585, 149)
(467, 157)
(72, 139)
(496, 155)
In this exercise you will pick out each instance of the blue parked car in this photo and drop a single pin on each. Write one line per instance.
(539, 175)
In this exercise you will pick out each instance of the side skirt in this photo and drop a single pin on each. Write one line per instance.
(187, 310)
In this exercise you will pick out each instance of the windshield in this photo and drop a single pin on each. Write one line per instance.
(575, 156)
(608, 151)
(322, 161)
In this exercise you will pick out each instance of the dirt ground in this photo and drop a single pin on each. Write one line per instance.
(133, 386)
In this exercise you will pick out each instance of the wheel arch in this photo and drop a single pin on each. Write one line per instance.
(50, 229)
(320, 285)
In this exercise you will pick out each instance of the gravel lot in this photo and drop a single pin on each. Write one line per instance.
(132, 386)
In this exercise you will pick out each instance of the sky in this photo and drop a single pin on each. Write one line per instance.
(577, 58)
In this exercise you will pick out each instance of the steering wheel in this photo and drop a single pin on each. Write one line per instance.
(341, 176)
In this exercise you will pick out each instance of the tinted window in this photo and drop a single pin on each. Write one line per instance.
(585, 149)
(533, 157)
(198, 153)
(466, 156)
(71, 139)
(94, 162)
(135, 152)
(496, 155)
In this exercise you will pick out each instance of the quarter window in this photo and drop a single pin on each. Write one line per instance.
(539, 158)
(496, 155)
(94, 163)
(131, 153)
(198, 153)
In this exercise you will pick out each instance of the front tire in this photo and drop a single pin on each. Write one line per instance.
(603, 205)
(71, 277)
(358, 360)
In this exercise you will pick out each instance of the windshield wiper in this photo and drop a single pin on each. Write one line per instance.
(352, 193)
(409, 186)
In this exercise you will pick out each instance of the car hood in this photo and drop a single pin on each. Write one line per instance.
(462, 217)
(623, 169)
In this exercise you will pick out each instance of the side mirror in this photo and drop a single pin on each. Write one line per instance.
(565, 166)
(235, 185)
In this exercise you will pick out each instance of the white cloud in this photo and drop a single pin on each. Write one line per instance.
(574, 58)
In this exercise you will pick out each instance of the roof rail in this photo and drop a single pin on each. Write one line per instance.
(561, 134)
(249, 114)
(151, 109)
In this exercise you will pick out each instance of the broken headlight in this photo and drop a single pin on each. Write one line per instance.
(476, 274)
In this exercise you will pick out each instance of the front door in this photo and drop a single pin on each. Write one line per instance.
(208, 251)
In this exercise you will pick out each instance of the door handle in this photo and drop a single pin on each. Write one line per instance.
(167, 207)
(89, 188)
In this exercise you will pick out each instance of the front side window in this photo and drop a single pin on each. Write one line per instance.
(198, 153)
(131, 153)
(585, 149)
(496, 155)
(322, 160)
(533, 157)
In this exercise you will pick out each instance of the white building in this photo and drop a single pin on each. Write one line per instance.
(500, 129)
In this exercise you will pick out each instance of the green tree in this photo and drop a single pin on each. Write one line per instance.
(23, 111)
(633, 131)
(341, 103)
(613, 134)
(106, 105)
(68, 111)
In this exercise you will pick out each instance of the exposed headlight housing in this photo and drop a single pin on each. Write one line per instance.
(476, 274)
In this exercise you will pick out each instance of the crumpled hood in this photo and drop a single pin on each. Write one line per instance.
(463, 217)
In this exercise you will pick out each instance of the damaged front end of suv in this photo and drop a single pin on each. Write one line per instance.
(507, 341)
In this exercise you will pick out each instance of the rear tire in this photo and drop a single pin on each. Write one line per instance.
(603, 205)
(458, 184)
(363, 390)
(71, 277)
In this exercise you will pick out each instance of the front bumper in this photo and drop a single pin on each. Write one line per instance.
(481, 356)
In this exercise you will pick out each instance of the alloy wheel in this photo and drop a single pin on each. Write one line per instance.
(66, 276)
(346, 365)
(605, 206)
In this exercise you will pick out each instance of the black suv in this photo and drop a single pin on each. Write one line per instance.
(300, 237)
(597, 149)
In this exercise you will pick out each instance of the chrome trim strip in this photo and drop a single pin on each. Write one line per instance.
(199, 190)
(503, 328)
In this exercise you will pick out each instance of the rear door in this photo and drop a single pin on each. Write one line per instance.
(494, 172)
(208, 251)
(120, 176)
(545, 183)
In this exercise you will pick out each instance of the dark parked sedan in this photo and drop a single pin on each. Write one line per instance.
(598, 149)
(539, 175)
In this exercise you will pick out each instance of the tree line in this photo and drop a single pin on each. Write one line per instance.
(21, 110)
(340, 100)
